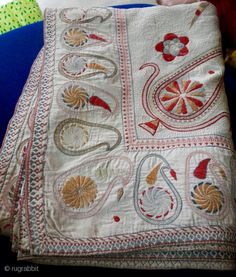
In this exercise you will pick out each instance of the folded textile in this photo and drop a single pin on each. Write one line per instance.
(120, 153)
(18, 50)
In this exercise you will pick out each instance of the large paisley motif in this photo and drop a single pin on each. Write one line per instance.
(206, 186)
(156, 200)
(82, 192)
(181, 103)
(72, 137)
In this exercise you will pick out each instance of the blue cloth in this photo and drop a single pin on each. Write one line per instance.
(18, 50)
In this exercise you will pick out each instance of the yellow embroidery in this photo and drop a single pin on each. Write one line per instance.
(79, 192)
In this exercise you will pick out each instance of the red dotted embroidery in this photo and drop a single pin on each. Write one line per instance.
(116, 218)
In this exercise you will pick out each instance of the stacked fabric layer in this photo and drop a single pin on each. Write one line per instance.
(119, 153)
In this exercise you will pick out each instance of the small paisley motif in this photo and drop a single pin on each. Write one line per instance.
(73, 15)
(82, 66)
(207, 197)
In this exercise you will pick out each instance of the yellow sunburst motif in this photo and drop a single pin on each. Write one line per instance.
(75, 37)
(75, 96)
(79, 192)
(207, 197)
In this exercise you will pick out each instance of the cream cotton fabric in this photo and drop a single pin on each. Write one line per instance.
(120, 153)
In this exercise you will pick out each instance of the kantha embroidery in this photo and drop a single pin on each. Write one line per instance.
(79, 192)
(78, 38)
(81, 16)
(206, 186)
(79, 97)
(137, 139)
(70, 135)
(206, 196)
(177, 107)
(198, 12)
(172, 46)
(61, 216)
(156, 204)
(184, 99)
(83, 196)
(82, 66)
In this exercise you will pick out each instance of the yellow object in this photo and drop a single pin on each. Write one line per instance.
(19, 13)
(231, 57)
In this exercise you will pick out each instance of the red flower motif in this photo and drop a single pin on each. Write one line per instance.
(184, 99)
(172, 46)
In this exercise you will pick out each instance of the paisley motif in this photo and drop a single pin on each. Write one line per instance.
(71, 135)
(82, 66)
(79, 192)
(207, 197)
(78, 38)
(206, 186)
(79, 97)
(181, 104)
(80, 16)
(155, 202)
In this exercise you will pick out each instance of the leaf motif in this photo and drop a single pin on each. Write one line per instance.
(119, 193)
(200, 171)
(96, 101)
(173, 174)
(219, 171)
(97, 66)
(222, 173)
(96, 37)
(152, 176)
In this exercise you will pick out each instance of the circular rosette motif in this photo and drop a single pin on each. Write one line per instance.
(182, 99)
(172, 46)
(74, 37)
(74, 96)
(73, 65)
(71, 136)
(79, 192)
(207, 197)
(156, 203)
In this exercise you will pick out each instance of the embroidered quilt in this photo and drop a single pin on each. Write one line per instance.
(119, 153)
